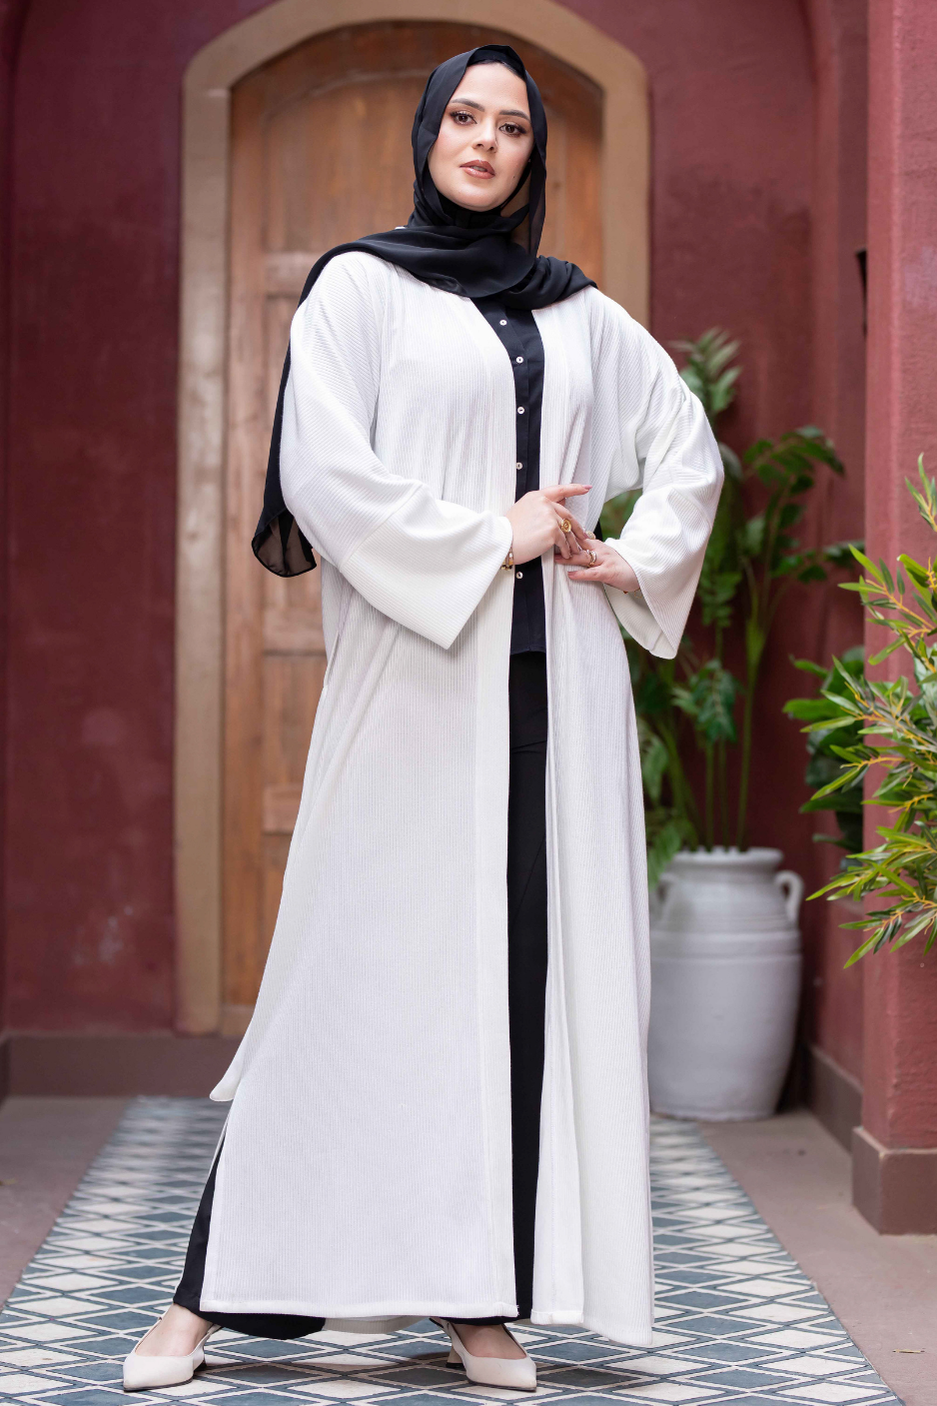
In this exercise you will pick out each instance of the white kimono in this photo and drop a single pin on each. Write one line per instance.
(366, 1167)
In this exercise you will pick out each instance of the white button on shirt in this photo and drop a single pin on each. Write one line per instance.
(518, 334)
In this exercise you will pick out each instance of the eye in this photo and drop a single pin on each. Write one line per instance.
(459, 116)
(513, 130)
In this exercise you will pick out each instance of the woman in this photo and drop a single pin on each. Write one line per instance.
(440, 1105)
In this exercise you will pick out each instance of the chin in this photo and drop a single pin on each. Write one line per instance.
(471, 198)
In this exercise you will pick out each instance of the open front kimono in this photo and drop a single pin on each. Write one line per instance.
(366, 1167)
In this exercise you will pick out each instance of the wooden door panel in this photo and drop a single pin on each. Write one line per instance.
(292, 683)
(316, 186)
(320, 155)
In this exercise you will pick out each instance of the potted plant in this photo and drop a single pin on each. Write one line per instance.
(828, 734)
(725, 946)
(890, 724)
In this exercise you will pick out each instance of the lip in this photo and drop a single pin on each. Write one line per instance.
(478, 168)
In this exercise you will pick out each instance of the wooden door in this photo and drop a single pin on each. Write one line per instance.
(321, 154)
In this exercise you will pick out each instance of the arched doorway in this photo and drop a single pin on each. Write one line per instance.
(300, 175)
(320, 153)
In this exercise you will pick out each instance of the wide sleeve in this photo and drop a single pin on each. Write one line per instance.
(421, 560)
(665, 447)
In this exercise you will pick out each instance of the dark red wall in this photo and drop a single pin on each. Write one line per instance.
(92, 434)
(11, 22)
(840, 45)
(899, 1106)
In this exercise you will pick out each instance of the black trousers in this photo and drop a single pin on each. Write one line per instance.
(527, 973)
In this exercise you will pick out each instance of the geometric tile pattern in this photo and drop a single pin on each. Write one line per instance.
(737, 1320)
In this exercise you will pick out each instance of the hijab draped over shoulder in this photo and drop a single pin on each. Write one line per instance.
(472, 253)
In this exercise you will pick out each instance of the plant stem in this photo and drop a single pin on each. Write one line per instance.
(722, 760)
(680, 789)
(709, 818)
(745, 769)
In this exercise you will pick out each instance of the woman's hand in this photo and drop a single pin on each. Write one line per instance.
(610, 567)
(538, 518)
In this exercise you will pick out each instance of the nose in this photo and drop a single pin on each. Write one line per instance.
(487, 136)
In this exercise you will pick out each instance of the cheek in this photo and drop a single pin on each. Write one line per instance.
(448, 144)
(518, 160)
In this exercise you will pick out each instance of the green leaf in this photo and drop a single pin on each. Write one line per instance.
(841, 553)
(863, 560)
(617, 511)
(917, 572)
(666, 843)
(810, 709)
(752, 536)
(709, 699)
(654, 762)
(808, 666)
(790, 514)
(884, 653)
(731, 462)
(707, 372)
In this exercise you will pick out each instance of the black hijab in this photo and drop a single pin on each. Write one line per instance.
(472, 253)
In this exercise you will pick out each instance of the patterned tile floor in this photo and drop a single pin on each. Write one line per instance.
(737, 1320)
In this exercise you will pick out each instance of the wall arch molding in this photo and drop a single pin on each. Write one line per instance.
(207, 85)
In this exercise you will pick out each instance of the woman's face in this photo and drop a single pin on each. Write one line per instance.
(484, 140)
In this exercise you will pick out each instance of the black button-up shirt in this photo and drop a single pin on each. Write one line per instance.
(518, 334)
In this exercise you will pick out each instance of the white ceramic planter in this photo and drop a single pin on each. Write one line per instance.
(725, 983)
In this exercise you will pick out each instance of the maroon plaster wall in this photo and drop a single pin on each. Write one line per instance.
(92, 499)
(11, 18)
(900, 1088)
(840, 46)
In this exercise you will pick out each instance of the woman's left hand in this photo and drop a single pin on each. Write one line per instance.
(609, 568)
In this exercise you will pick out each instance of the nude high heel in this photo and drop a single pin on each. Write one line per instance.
(146, 1373)
(518, 1373)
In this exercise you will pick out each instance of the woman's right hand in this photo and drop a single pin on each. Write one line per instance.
(536, 520)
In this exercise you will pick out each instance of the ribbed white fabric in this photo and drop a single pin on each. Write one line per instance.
(366, 1168)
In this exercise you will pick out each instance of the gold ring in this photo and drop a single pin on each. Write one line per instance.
(594, 556)
(565, 525)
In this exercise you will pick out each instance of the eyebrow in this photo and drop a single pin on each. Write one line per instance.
(505, 111)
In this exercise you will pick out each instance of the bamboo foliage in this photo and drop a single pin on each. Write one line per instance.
(893, 724)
